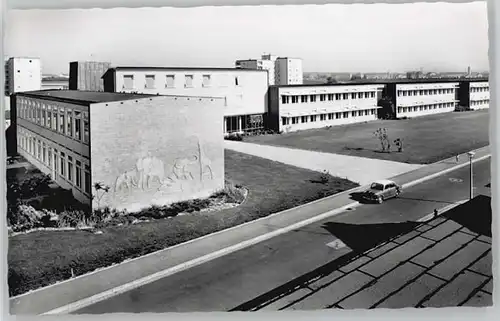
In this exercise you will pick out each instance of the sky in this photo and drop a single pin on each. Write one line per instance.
(329, 38)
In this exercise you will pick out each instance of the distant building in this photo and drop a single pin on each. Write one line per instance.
(55, 83)
(87, 75)
(22, 74)
(281, 70)
(300, 107)
(148, 149)
(244, 90)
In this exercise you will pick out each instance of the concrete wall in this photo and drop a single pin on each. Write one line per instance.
(156, 150)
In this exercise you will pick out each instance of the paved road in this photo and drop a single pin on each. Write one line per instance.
(230, 281)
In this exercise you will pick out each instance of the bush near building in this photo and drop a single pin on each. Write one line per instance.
(41, 258)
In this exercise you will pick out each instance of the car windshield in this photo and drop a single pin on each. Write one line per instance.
(377, 186)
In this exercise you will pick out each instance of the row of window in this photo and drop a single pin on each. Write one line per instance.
(324, 117)
(479, 89)
(243, 123)
(479, 102)
(424, 107)
(425, 92)
(324, 97)
(68, 122)
(64, 166)
(169, 81)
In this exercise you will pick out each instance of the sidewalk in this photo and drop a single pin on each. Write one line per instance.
(198, 251)
(444, 262)
(357, 169)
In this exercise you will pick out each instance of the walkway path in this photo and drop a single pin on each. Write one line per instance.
(357, 169)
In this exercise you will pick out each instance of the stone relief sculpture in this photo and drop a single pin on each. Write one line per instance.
(150, 174)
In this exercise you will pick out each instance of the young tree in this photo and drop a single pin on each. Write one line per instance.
(383, 137)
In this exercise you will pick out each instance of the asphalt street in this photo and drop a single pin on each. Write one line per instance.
(234, 280)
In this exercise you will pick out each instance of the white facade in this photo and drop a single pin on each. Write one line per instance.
(289, 71)
(260, 64)
(479, 95)
(420, 99)
(22, 74)
(307, 107)
(244, 91)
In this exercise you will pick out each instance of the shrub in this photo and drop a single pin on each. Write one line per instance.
(234, 136)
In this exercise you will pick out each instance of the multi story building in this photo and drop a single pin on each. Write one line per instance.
(418, 98)
(55, 83)
(289, 71)
(244, 90)
(282, 71)
(87, 75)
(474, 94)
(299, 107)
(22, 74)
(130, 143)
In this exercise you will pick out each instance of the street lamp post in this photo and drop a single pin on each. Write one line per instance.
(471, 192)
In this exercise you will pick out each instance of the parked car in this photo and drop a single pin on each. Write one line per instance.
(381, 190)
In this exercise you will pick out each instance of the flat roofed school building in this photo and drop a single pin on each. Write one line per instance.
(244, 90)
(149, 150)
(300, 107)
(475, 94)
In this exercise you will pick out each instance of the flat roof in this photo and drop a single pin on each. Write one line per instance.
(79, 97)
(388, 81)
(182, 68)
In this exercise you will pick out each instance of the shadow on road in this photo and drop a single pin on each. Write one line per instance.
(474, 215)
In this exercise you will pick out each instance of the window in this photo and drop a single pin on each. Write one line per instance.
(322, 117)
(373, 112)
(69, 128)
(303, 99)
(70, 169)
(78, 125)
(87, 180)
(285, 99)
(56, 166)
(313, 117)
(322, 97)
(78, 174)
(49, 117)
(330, 116)
(313, 98)
(86, 129)
(360, 95)
(62, 167)
(367, 95)
(303, 119)
(44, 153)
(49, 156)
(38, 114)
(170, 83)
(330, 96)
(295, 99)
(188, 81)
(38, 150)
(372, 94)
(345, 96)
(353, 96)
(295, 120)
(345, 114)
(367, 112)
(338, 96)
(44, 114)
(62, 122)
(284, 121)
(55, 117)
(128, 82)
(236, 81)
(405, 93)
(338, 115)
(354, 113)
(150, 82)
(206, 81)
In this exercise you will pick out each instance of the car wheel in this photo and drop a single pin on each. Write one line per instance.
(380, 200)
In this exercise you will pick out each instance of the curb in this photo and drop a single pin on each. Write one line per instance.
(219, 253)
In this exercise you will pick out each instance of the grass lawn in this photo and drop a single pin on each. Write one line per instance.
(426, 139)
(42, 258)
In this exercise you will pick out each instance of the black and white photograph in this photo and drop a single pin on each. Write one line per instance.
(248, 158)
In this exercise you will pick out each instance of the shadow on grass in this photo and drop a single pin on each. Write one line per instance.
(362, 237)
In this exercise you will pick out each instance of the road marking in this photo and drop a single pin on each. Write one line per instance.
(336, 245)
(80, 304)
(456, 180)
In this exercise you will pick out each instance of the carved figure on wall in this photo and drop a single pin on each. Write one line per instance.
(126, 181)
(149, 170)
(182, 168)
